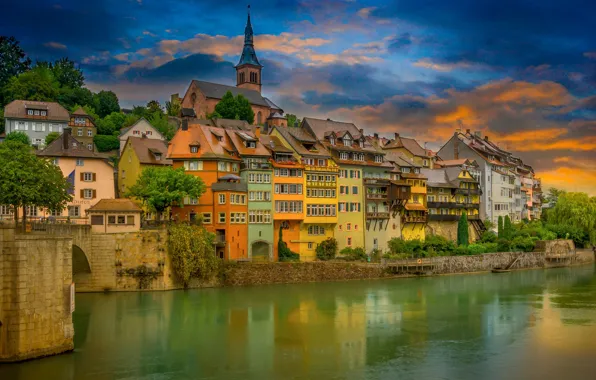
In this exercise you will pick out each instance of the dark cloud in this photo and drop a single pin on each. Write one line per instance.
(400, 42)
(205, 67)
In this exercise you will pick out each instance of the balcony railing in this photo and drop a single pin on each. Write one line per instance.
(376, 181)
(414, 219)
(440, 204)
(443, 218)
(255, 166)
(467, 191)
(376, 195)
(321, 168)
(377, 215)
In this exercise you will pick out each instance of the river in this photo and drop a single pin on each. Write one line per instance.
(536, 324)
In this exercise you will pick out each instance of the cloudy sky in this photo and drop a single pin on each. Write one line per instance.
(522, 71)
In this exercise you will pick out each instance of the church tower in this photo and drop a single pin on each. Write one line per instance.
(248, 70)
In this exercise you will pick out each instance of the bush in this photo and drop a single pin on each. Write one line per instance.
(488, 237)
(353, 254)
(283, 252)
(327, 249)
(491, 247)
(375, 255)
(439, 245)
(525, 244)
(503, 245)
(106, 143)
(462, 250)
(476, 249)
(565, 231)
(19, 136)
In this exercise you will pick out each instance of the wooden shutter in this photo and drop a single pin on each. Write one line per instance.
(94, 177)
(82, 192)
(94, 194)
(82, 176)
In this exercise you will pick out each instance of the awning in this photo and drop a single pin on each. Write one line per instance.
(415, 207)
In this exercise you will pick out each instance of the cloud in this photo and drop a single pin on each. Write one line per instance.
(590, 54)
(427, 63)
(148, 33)
(365, 12)
(55, 45)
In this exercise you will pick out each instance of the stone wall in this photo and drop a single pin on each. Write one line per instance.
(449, 230)
(35, 310)
(488, 261)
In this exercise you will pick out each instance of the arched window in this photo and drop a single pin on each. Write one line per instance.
(259, 117)
(242, 78)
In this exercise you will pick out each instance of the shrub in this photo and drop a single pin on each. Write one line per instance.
(565, 231)
(105, 143)
(490, 247)
(525, 244)
(439, 245)
(503, 245)
(463, 237)
(375, 255)
(476, 249)
(327, 249)
(283, 252)
(488, 237)
(409, 247)
(462, 250)
(353, 254)
(507, 228)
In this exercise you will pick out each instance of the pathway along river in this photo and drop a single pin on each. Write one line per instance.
(537, 324)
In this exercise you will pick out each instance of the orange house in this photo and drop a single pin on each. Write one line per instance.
(206, 152)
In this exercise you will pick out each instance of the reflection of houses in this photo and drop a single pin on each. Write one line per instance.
(90, 174)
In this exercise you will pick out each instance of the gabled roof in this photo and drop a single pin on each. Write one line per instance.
(217, 91)
(67, 146)
(80, 112)
(273, 106)
(274, 144)
(320, 127)
(297, 137)
(146, 149)
(238, 139)
(123, 131)
(121, 204)
(410, 144)
(18, 109)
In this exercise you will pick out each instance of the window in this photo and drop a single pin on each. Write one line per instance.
(425, 162)
(121, 219)
(347, 141)
(194, 149)
(343, 156)
(207, 218)
(237, 199)
(111, 219)
(235, 167)
(259, 196)
(378, 159)
(79, 120)
(30, 112)
(316, 230)
(222, 217)
(259, 216)
(223, 166)
(355, 227)
(222, 199)
(88, 193)
(90, 146)
(88, 177)
(193, 165)
(321, 162)
(130, 219)
(288, 206)
(135, 132)
(5, 210)
(349, 242)
(74, 211)
(89, 132)
(81, 162)
(320, 210)
(310, 245)
(259, 178)
(348, 226)
(80, 132)
(332, 140)
(38, 142)
(355, 190)
(238, 217)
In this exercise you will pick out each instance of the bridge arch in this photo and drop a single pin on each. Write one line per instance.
(80, 263)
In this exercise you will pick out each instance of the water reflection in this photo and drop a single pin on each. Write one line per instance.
(532, 324)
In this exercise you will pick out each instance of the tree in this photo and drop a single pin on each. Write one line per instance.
(51, 137)
(75, 98)
(154, 107)
(507, 228)
(67, 74)
(553, 196)
(192, 251)
(106, 143)
(1, 119)
(327, 249)
(13, 61)
(36, 84)
(173, 107)
(227, 106)
(500, 228)
(245, 111)
(110, 124)
(576, 211)
(30, 181)
(292, 119)
(18, 136)
(463, 237)
(162, 124)
(161, 187)
(283, 252)
(105, 102)
(140, 111)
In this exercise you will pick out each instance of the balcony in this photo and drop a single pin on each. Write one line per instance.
(331, 185)
(467, 191)
(255, 166)
(440, 204)
(381, 196)
(328, 169)
(376, 181)
(414, 219)
(443, 218)
(377, 215)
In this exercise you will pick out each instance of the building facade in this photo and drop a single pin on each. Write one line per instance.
(142, 128)
(35, 119)
(83, 127)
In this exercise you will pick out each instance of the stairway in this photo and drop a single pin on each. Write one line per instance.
(478, 227)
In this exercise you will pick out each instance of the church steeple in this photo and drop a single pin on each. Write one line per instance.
(248, 69)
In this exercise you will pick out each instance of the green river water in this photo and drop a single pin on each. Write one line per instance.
(537, 324)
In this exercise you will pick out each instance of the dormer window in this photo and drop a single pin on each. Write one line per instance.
(332, 140)
(378, 158)
(343, 156)
(44, 113)
(347, 141)
(416, 170)
(405, 170)
(362, 143)
(251, 144)
(79, 120)
(30, 112)
(194, 149)
(157, 156)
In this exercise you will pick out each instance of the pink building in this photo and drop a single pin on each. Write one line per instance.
(90, 174)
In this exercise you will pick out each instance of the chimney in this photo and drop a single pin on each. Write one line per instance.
(376, 136)
(184, 125)
(361, 131)
(66, 138)
(396, 135)
(468, 131)
(144, 136)
(485, 138)
(258, 131)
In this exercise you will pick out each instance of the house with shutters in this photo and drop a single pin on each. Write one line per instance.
(83, 127)
(142, 128)
(111, 216)
(89, 173)
(35, 119)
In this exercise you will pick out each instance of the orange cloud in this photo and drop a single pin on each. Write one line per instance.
(427, 63)
(570, 179)
(55, 45)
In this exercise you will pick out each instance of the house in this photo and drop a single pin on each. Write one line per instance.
(36, 119)
(89, 173)
(111, 216)
(142, 128)
(140, 153)
(83, 127)
(203, 96)
(207, 152)
(411, 150)
(317, 205)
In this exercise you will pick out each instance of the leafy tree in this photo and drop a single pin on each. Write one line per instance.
(292, 119)
(283, 252)
(227, 106)
(105, 102)
(51, 137)
(462, 230)
(67, 74)
(27, 180)
(507, 228)
(553, 196)
(162, 124)
(245, 111)
(106, 143)
(489, 225)
(192, 251)
(21, 137)
(153, 106)
(576, 210)
(161, 187)
(111, 123)
(173, 107)
(36, 84)
(1, 119)
(140, 111)
(353, 254)
(130, 120)
(73, 98)
(500, 228)
(327, 250)
(13, 61)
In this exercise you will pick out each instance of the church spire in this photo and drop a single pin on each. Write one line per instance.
(248, 69)
(249, 56)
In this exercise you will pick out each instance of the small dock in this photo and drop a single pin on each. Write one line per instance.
(418, 267)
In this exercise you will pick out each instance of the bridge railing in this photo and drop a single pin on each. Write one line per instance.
(56, 228)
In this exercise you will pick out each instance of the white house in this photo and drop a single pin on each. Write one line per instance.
(139, 129)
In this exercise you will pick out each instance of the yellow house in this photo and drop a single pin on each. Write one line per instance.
(320, 196)
(139, 153)
(410, 149)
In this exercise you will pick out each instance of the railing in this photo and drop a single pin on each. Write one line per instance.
(376, 181)
(255, 166)
(321, 168)
(376, 196)
(414, 219)
(467, 191)
(377, 215)
(440, 204)
(321, 184)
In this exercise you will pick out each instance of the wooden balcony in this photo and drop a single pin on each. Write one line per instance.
(414, 219)
(467, 191)
(313, 168)
(376, 181)
(443, 218)
(377, 215)
(379, 196)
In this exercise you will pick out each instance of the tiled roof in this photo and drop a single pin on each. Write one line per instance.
(437, 178)
(115, 205)
(80, 112)
(145, 149)
(18, 109)
(274, 144)
(410, 144)
(68, 146)
(124, 130)
(320, 127)
(297, 137)
(217, 91)
(238, 139)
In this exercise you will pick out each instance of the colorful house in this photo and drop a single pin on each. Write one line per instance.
(321, 173)
(411, 150)
(83, 127)
(139, 153)
(111, 216)
(208, 153)
(289, 183)
(451, 192)
(90, 174)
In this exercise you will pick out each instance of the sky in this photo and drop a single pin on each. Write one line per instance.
(522, 72)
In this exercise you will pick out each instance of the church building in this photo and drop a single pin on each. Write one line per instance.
(202, 97)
